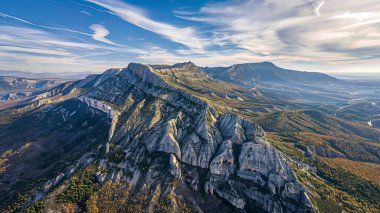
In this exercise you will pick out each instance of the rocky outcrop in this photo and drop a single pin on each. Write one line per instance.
(176, 148)
(175, 167)
(100, 105)
(323, 152)
(223, 163)
(223, 151)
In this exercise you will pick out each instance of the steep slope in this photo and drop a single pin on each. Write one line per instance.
(66, 90)
(176, 149)
(150, 116)
(46, 141)
(15, 89)
(52, 133)
(338, 151)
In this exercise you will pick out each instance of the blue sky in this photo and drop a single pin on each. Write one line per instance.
(93, 35)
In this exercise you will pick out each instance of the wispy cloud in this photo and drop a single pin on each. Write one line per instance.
(220, 58)
(187, 36)
(312, 31)
(43, 26)
(312, 34)
(86, 13)
(32, 49)
(100, 33)
(319, 6)
(33, 38)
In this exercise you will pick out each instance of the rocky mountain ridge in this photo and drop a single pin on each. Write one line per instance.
(151, 116)
(184, 141)
(176, 146)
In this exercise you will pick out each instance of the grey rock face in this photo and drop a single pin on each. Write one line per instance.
(257, 158)
(223, 163)
(175, 167)
(184, 140)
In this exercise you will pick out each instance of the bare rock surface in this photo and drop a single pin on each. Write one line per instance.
(224, 152)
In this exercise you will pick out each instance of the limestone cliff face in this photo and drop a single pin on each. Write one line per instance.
(98, 105)
(173, 139)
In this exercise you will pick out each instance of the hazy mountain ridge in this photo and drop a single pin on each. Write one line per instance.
(18, 83)
(51, 88)
(286, 84)
(251, 74)
(63, 75)
(16, 89)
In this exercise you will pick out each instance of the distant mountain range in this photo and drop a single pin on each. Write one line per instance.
(250, 74)
(20, 83)
(18, 88)
(63, 75)
(247, 74)
(357, 76)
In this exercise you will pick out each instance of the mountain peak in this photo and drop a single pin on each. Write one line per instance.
(184, 65)
(146, 73)
(268, 63)
(134, 66)
(262, 64)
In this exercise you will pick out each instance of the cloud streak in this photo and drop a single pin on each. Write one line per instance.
(43, 26)
(38, 50)
(100, 32)
(318, 8)
(319, 34)
(187, 36)
(307, 31)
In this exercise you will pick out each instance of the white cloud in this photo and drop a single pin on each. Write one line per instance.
(314, 34)
(36, 50)
(158, 55)
(32, 38)
(318, 8)
(187, 36)
(43, 26)
(305, 31)
(86, 13)
(27, 62)
(100, 33)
